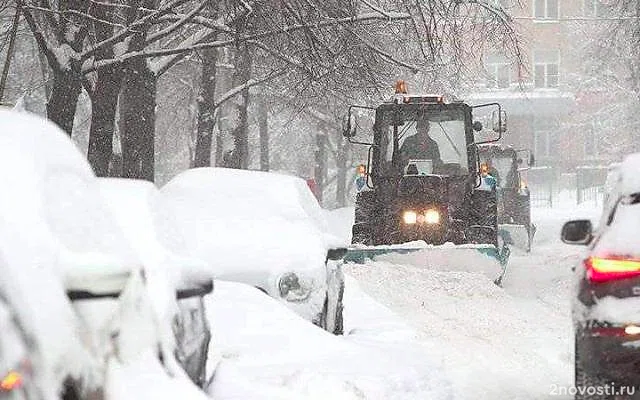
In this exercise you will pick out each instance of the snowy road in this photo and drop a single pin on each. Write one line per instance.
(410, 333)
(511, 343)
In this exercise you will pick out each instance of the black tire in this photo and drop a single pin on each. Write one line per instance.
(582, 379)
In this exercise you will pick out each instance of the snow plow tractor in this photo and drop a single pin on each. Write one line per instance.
(421, 195)
(506, 164)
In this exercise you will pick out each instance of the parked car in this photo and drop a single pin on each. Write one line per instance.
(54, 221)
(606, 308)
(263, 229)
(134, 203)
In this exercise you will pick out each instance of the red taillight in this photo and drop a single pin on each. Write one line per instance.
(608, 332)
(601, 269)
(11, 381)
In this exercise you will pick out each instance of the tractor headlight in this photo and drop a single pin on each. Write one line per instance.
(410, 217)
(432, 217)
(291, 289)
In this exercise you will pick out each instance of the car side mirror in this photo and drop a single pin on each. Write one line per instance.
(336, 254)
(578, 231)
(199, 290)
(477, 126)
(349, 126)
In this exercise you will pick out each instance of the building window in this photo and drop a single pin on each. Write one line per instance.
(596, 8)
(544, 136)
(498, 72)
(546, 69)
(546, 9)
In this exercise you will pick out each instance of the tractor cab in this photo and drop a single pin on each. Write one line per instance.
(507, 165)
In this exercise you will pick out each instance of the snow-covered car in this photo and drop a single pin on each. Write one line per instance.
(60, 243)
(606, 298)
(135, 204)
(263, 229)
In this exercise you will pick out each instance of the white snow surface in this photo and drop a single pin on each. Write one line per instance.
(265, 351)
(621, 238)
(629, 178)
(54, 198)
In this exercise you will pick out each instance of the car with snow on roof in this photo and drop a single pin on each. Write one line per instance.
(263, 229)
(606, 296)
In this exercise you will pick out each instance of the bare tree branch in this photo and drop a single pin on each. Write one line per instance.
(170, 29)
(131, 29)
(228, 42)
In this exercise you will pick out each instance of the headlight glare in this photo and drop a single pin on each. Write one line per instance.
(432, 216)
(410, 217)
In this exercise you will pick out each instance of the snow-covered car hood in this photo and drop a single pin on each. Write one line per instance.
(249, 226)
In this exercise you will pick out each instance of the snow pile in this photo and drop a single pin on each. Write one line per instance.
(284, 357)
(468, 258)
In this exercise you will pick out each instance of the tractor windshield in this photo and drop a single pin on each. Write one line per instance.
(435, 141)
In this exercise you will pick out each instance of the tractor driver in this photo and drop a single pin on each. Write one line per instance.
(421, 146)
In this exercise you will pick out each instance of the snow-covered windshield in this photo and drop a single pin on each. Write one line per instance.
(77, 215)
(440, 137)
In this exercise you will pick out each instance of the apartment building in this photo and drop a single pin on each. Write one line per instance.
(550, 109)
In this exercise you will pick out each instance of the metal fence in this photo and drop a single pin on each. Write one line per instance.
(541, 182)
(590, 182)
